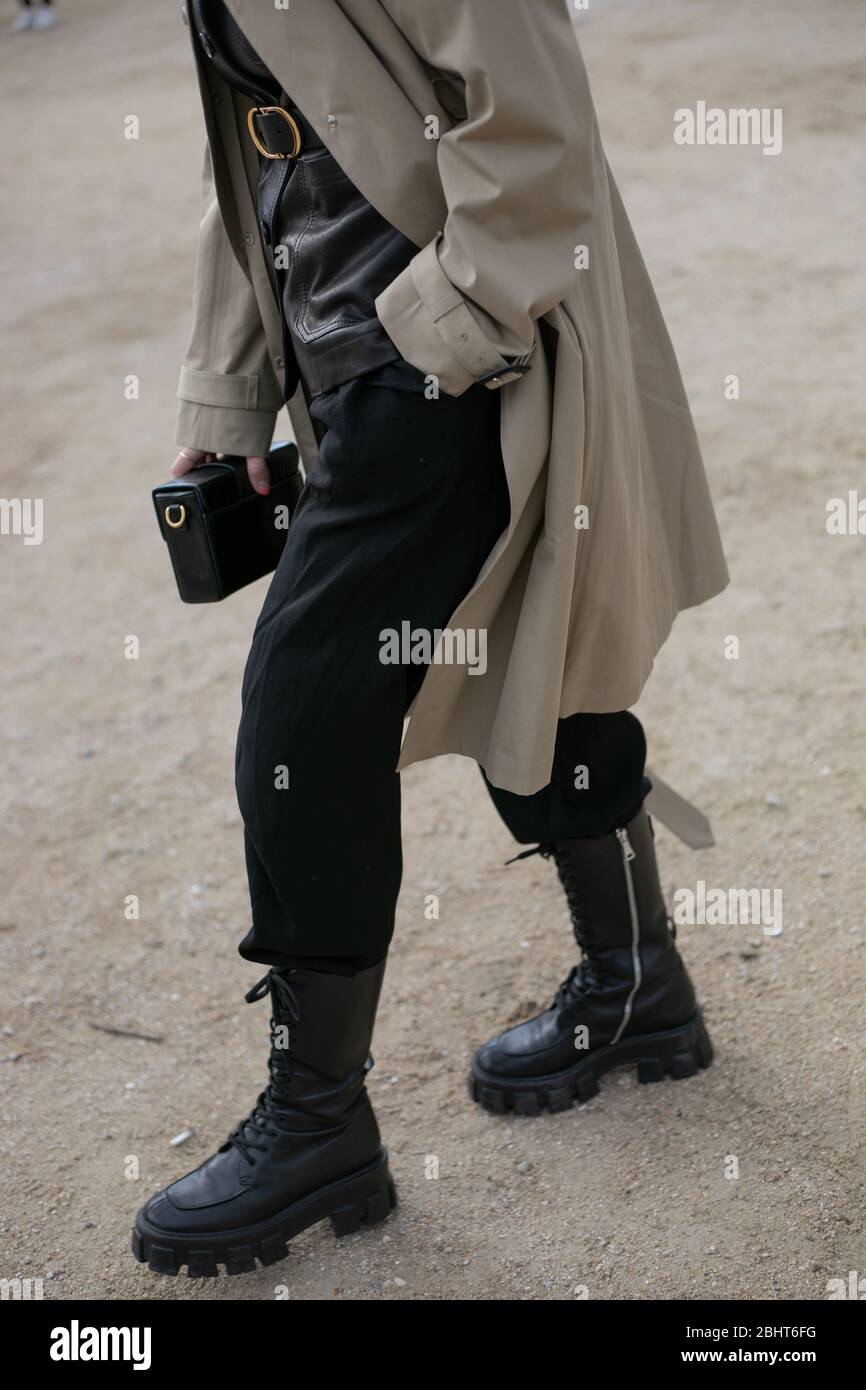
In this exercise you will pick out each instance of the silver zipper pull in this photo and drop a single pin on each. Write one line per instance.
(625, 842)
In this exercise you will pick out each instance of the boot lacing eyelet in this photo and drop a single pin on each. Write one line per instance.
(587, 975)
(263, 1121)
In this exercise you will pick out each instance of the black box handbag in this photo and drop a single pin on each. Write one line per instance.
(221, 533)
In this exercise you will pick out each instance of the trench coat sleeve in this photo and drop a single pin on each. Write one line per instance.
(516, 174)
(228, 396)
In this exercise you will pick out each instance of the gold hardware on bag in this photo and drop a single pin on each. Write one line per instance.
(181, 511)
(273, 111)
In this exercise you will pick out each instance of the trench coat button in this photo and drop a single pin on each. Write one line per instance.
(249, 238)
(332, 121)
(278, 362)
(215, 98)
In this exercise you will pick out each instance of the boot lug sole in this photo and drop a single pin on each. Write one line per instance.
(676, 1053)
(360, 1199)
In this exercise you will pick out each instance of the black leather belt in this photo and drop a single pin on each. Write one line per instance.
(281, 132)
(278, 132)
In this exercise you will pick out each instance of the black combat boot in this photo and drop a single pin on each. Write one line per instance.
(310, 1149)
(629, 1001)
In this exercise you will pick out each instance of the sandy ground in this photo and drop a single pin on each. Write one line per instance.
(118, 773)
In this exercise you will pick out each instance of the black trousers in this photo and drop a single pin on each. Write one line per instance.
(394, 523)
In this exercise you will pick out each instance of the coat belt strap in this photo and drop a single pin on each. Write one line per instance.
(685, 820)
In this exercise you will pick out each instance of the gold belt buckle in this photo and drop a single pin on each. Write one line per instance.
(273, 111)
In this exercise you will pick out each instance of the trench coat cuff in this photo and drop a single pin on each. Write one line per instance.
(225, 414)
(431, 325)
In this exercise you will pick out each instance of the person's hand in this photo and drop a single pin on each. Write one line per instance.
(257, 468)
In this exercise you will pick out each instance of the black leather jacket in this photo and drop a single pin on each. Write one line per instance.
(332, 253)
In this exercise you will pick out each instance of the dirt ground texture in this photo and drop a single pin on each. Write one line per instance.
(118, 773)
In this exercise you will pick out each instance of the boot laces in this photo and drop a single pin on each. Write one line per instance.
(269, 1115)
(586, 975)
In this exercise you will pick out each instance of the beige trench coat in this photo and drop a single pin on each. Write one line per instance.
(512, 184)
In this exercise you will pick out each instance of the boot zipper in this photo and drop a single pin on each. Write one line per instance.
(628, 855)
(625, 842)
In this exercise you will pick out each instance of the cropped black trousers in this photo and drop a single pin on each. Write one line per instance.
(394, 523)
